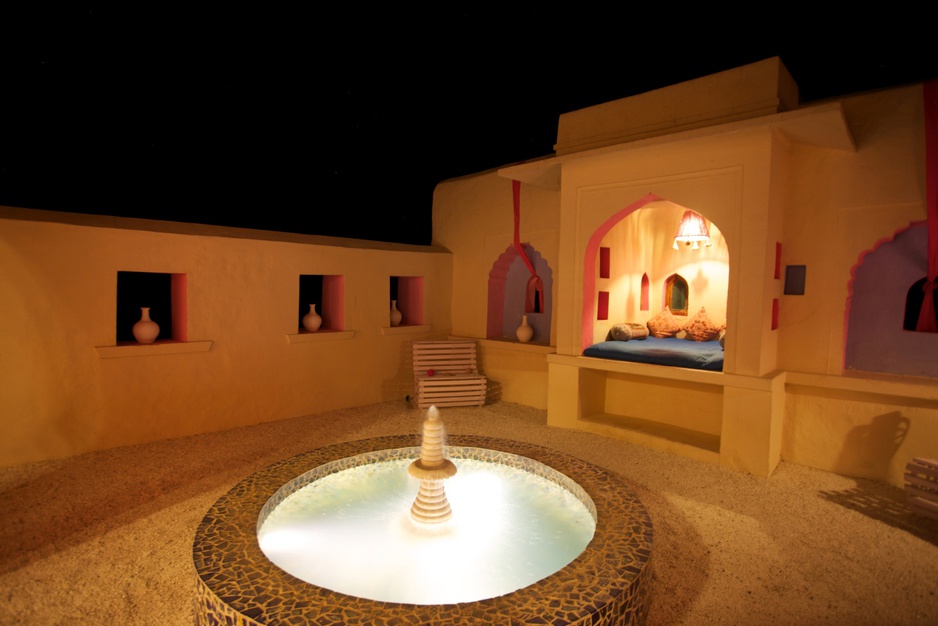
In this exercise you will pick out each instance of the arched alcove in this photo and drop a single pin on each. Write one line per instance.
(514, 292)
(879, 292)
(646, 261)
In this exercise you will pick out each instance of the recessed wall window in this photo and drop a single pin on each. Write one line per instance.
(675, 294)
(327, 293)
(913, 304)
(644, 303)
(602, 306)
(534, 295)
(164, 294)
(604, 262)
(406, 292)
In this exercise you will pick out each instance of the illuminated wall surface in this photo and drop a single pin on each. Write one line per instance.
(829, 183)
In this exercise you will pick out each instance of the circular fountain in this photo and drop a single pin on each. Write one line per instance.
(607, 583)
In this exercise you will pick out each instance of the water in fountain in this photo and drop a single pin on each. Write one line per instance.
(351, 531)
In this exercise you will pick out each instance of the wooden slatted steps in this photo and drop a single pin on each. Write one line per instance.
(446, 374)
(921, 486)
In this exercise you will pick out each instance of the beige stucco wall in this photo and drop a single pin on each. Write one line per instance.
(473, 218)
(825, 199)
(704, 174)
(60, 396)
(783, 393)
(841, 204)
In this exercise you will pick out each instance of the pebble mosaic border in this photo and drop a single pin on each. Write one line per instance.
(609, 583)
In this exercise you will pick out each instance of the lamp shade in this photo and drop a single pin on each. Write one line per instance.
(692, 229)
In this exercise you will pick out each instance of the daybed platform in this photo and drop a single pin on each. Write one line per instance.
(670, 351)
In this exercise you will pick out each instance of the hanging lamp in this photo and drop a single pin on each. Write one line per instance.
(692, 231)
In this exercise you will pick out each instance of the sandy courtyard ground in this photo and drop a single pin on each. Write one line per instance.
(106, 538)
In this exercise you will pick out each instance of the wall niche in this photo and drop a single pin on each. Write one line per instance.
(164, 294)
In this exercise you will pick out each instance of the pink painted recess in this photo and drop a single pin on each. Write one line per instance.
(410, 299)
(179, 294)
(333, 298)
(603, 306)
(604, 262)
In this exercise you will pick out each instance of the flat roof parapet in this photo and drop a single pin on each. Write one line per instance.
(754, 90)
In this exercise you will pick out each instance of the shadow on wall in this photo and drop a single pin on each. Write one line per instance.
(868, 450)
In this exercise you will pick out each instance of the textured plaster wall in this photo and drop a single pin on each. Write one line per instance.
(59, 397)
(826, 206)
(473, 217)
(857, 433)
(841, 204)
(706, 175)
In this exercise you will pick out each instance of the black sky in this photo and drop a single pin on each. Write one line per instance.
(340, 121)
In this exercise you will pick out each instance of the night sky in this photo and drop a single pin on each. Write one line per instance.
(342, 121)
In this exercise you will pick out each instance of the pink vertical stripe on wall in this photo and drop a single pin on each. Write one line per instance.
(179, 294)
(645, 292)
(926, 319)
(778, 260)
(604, 262)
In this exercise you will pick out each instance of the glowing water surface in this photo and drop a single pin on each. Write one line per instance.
(351, 532)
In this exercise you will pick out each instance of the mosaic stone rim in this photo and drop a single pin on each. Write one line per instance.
(608, 583)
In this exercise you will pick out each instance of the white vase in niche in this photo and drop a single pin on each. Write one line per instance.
(524, 332)
(312, 321)
(146, 330)
(395, 314)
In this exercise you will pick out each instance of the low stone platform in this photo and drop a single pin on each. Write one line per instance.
(609, 583)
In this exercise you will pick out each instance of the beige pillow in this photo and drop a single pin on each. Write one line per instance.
(663, 324)
(701, 328)
(628, 330)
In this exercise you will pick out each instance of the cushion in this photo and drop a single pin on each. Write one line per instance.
(663, 324)
(723, 337)
(701, 328)
(628, 330)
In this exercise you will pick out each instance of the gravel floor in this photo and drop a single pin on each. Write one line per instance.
(106, 538)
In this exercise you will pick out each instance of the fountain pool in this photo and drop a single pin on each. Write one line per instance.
(351, 532)
(607, 583)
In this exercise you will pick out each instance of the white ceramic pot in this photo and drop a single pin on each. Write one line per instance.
(312, 321)
(524, 332)
(146, 330)
(395, 314)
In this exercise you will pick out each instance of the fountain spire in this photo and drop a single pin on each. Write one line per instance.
(431, 505)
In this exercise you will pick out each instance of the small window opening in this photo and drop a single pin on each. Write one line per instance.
(534, 295)
(155, 291)
(913, 304)
(675, 295)
(602, 308)
(644, 292)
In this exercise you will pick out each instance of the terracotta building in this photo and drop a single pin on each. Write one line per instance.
(817, 221)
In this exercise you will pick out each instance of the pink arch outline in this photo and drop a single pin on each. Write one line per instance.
(589, 265)
(861, 258)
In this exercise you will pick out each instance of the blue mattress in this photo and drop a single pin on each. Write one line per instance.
(701, 355)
